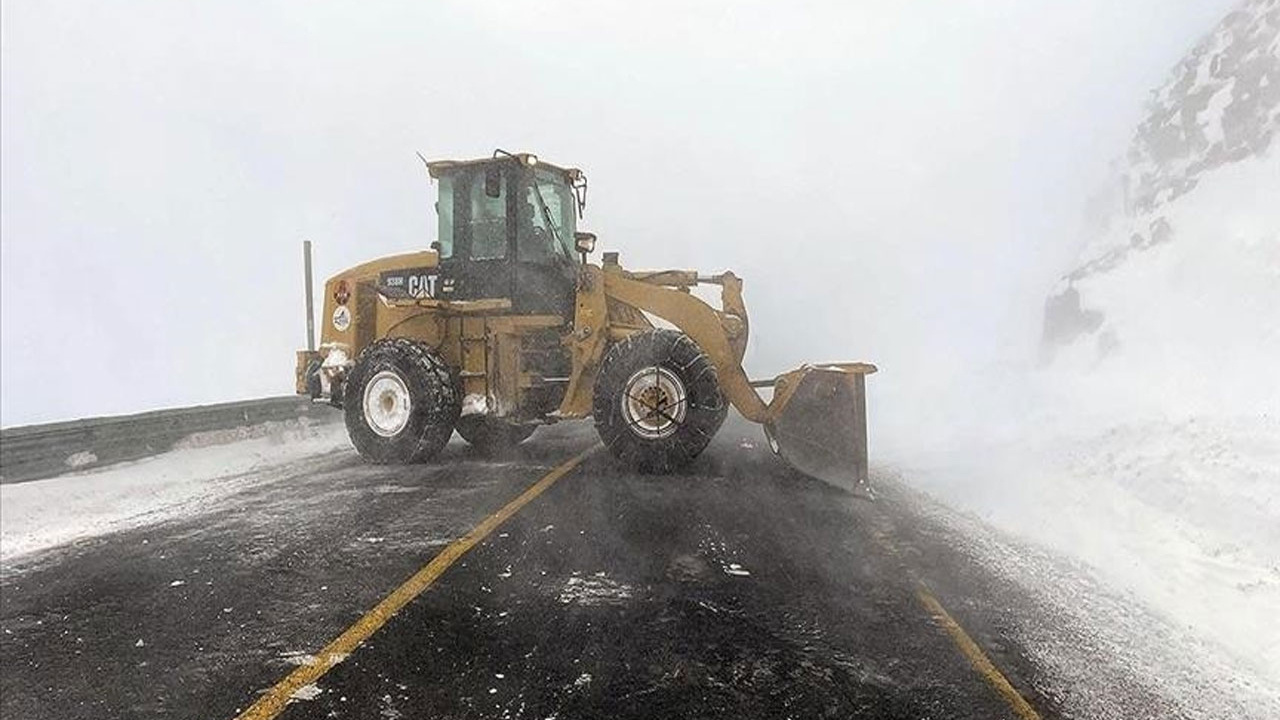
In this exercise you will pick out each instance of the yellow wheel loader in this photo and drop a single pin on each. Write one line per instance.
(503, 326)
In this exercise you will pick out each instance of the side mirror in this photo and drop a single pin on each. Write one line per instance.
(585, 242)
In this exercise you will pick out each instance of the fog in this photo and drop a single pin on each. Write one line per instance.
(1051, 225)
(900, 183)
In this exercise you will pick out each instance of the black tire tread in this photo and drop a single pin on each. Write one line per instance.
(707, 406)
(437, 402)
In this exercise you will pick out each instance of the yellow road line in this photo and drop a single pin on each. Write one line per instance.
(273, 701)
(971, 650)
(977, 658)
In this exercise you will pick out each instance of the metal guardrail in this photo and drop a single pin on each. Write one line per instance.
(34, 452)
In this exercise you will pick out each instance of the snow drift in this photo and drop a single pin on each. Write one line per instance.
(1145, 439)
(204, 468)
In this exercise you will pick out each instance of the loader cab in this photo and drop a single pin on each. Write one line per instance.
(506, 231)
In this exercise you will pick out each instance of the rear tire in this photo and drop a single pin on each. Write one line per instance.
(400, 402)
(490, 435)
(657, 400)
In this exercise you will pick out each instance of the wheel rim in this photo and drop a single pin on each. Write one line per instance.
(654, 402)
(387, 405)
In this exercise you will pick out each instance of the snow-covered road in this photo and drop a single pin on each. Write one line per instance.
(226, 563)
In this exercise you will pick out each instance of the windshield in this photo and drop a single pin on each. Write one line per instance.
(547, 218)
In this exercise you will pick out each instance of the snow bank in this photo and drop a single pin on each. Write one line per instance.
(1191, 324)
(46, 513)
(1182, 516)
(1149, 446)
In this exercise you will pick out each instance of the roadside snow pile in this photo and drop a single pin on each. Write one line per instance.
(1191, 324)
(278, 431)
(1182, 515)
(1101, 654)
(46, 513)
(1146, 441)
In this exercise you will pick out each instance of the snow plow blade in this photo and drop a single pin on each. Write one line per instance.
(819, 423)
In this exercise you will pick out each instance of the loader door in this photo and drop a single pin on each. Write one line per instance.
(475, 235)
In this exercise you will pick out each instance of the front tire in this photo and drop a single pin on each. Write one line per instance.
(400, 402)
(657, 400)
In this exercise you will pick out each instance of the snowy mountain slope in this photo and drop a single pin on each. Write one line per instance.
(1146, 444)
(1181, 252)
(1161, 349)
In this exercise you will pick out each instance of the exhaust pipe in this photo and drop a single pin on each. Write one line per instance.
(306, 370)
(311, 314)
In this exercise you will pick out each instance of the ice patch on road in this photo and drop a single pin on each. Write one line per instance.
(594, 590)
(719, 552)
(301, 658)
(394, 489)
(46, 513)
(307, 692)
(298, 657)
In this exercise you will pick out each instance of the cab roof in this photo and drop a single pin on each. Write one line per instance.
(439, 167)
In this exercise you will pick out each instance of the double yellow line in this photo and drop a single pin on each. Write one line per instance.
(271, 703)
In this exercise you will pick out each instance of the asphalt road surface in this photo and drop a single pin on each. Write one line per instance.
(736, 589)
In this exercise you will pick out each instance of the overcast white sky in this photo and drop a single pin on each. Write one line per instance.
(898, 182)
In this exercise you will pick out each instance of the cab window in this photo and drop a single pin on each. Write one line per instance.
(444, 211)
(473, 215)
(546, 219)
